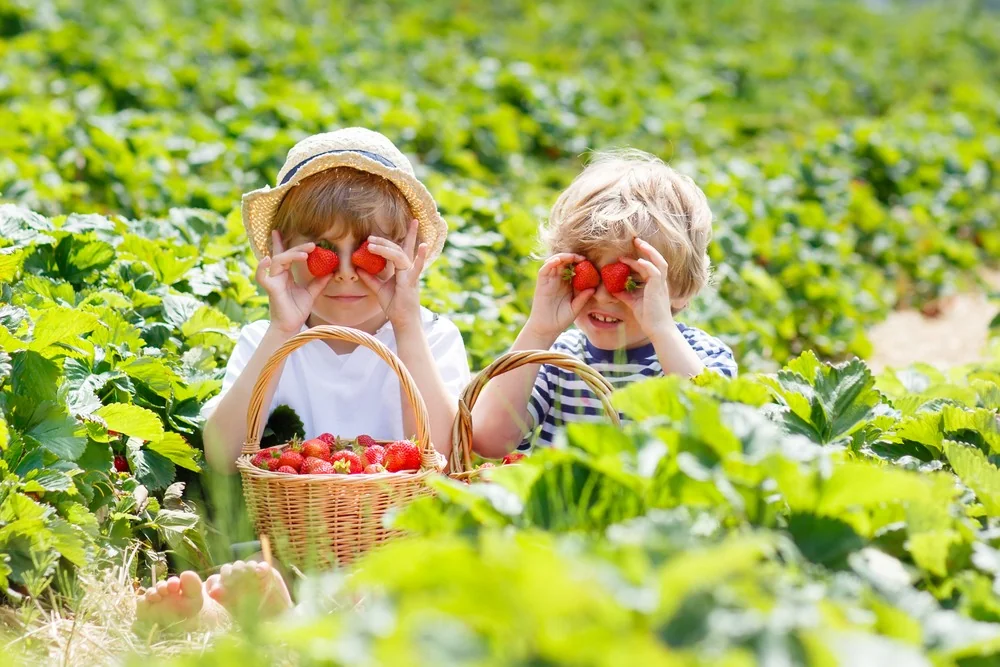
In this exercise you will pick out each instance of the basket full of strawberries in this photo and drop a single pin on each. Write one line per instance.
(323, 501)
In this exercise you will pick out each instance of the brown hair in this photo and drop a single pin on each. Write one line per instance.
(353, 201)
(622, 195)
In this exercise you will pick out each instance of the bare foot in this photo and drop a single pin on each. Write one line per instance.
(179, 603)
(249, 588)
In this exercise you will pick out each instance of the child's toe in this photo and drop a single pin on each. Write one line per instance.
(190, 584)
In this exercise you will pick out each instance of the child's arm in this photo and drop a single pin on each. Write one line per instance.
(290, 306)
(500, 416)
(652, 309)
(399, 296)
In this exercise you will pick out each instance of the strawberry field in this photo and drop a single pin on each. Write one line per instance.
(806, 513)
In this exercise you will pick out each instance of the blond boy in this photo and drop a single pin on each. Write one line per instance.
(628, 207)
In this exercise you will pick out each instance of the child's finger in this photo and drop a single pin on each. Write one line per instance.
(317, 285)
(277, 246)
(643, 267)
(411, 238)
(652, 254)
(580, 300)
(419, 259)
(392, 253)
(370, 281)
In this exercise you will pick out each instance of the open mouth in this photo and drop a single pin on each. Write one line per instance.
(602, 321)
(345, 298)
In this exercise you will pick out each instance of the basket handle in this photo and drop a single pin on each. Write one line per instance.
(461, 437)
(429, 456)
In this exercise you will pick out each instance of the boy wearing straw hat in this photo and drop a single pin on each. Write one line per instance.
(626, 246)
(342, 189)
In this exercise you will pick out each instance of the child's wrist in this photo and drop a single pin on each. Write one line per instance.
(536, 337)
(278, 334)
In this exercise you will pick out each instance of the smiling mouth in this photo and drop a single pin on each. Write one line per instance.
(345, 297)
(604, 319)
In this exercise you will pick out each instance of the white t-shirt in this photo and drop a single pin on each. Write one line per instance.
(349, 394)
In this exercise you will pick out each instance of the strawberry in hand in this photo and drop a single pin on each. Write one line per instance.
(322, 260)
(617, 278)
(584, 276)
(367, 261)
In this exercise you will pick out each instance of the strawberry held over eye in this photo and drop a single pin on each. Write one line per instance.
(584, 276)
(322, 260)
(367, 261)
(617, 278)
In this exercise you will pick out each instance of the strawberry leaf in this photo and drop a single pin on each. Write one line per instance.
(977, 473)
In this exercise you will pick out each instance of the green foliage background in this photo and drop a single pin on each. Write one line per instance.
(851, 154)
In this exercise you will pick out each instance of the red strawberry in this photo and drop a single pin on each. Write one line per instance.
(288, 470)
(322, 261)
(121, 463)
(263, 458)
(367, 261)
(402, 455)
(353, 461)
(365, 441)
(316, 448)
(291, 459)
(314, 466)
(374, 469)
(584, 276)
(617, 278)
(328, 438)
(374, 455)
(513, 457)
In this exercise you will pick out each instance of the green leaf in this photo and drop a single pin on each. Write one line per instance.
(660, 397)
(11, 262)
(151, 469)
(977, 473)
(61, 326)
(824, 540)
(132, 420)
(930, 549)
(4, 434)
(179, 308)
(97, 457)
(153, 373)
(864, 485)
(165, 262)
(207, 326)
(52, 480)
(69, 541)
(701, 568)
(34, 376)
(175, 448)
(59, 434)
(978, 427)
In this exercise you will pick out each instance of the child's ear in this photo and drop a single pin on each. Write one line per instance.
(677, 305)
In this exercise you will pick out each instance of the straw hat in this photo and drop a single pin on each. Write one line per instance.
(354, 147)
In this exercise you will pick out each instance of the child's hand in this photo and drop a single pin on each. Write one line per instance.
(291, 303)
(651, 303)
(398, 287)
(554, 306)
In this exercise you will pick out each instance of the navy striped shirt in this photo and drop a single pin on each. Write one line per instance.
(560, 397)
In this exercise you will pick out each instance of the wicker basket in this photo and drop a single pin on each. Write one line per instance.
(461, 439)
(317, 520)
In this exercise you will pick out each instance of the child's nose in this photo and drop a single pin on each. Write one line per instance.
(602, 294)
(346, 271)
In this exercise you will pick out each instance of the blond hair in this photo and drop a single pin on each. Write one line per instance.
(349, 200)
(625, 194)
